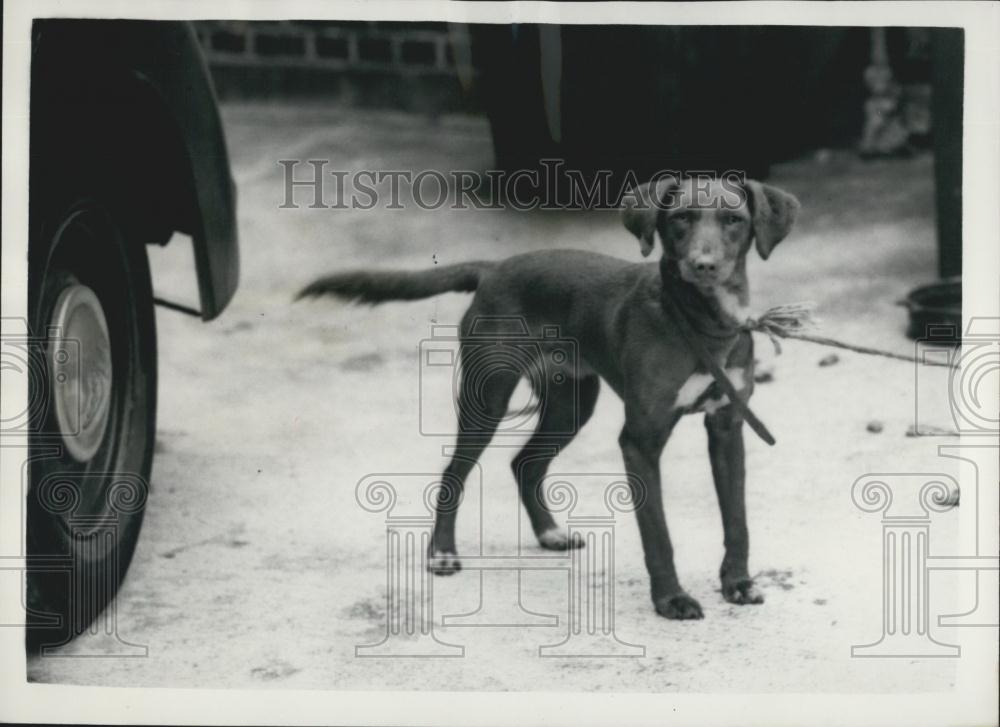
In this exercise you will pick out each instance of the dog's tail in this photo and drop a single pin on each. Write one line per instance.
(376, 286)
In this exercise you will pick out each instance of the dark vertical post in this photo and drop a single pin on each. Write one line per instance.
(948, 45)
(509, 59)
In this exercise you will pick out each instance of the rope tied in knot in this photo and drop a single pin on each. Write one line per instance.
(783, 321)
(790, 321)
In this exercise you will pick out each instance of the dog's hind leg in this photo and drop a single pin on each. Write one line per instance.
(482, 404)
(564, 410)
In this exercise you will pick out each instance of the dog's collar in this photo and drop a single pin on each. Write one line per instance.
(697, 346)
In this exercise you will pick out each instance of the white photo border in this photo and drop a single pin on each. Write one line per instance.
(974, 697)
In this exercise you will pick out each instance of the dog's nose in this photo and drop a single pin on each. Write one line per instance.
(704, 265)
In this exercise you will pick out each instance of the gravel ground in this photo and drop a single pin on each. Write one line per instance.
(257, 567)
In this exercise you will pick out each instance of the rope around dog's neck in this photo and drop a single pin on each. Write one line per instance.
(697, 346)
(783, 321)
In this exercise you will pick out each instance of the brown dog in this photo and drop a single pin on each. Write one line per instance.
(614, 312)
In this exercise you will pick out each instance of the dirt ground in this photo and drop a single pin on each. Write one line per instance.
(257, 567)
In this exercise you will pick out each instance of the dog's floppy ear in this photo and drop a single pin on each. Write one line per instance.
(640, 209)
(774, 213)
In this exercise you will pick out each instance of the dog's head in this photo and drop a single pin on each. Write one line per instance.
(707, 224)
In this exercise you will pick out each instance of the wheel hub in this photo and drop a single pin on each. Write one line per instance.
(80, 370)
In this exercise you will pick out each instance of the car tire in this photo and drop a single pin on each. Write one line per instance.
(93, 399)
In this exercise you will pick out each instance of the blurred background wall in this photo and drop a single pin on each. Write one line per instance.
(406, 66)
(630, 98)
(796, 87)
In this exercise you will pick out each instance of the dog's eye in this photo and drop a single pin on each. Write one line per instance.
(733, 219)
(682, 217)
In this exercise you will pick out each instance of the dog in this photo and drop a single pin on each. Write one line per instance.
(616, 313)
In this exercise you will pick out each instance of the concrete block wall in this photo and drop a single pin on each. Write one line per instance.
(408, 66)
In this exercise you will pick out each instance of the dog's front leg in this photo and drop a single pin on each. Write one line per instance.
(725, 450)
(641, 448)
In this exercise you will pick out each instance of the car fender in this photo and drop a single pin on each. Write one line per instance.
(131, 104)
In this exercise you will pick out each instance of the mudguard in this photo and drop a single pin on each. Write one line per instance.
(130, 106)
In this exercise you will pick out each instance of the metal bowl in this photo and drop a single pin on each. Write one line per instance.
(936, 311)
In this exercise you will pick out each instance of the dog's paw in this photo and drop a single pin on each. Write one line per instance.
(441, 563)
(742, 593)
(679, 607)
(556, 539)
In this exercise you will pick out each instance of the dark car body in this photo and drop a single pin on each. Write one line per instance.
(129, 105)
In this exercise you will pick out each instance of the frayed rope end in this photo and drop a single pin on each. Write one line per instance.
(782, 320)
